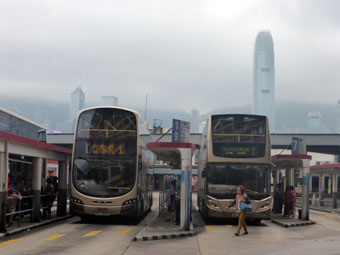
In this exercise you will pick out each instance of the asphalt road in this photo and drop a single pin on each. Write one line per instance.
(115, 237)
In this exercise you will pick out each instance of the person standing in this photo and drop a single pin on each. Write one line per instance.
(241, 197)
(12, 201)
(170, 199)
(290, 200)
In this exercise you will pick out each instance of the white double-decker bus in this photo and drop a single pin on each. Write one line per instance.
(109, 164)
(235, 150)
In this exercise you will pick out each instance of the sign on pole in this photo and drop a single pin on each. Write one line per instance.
(180, 131)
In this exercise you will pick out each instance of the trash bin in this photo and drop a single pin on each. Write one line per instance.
(300, 213)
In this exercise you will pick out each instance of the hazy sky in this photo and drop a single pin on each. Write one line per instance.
(185, 54)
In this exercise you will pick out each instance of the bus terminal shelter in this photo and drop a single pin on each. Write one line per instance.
(178, 155)
(288, 163)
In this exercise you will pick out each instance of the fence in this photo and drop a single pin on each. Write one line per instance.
(317, 201)
(25, 205)
(162, 201)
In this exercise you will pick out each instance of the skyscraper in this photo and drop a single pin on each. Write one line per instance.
(76, 104)
(315, 124)
(109, 101)
(338, 117)
(195, 121)
(263, 77)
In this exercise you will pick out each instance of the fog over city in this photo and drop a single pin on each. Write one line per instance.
(183, 54)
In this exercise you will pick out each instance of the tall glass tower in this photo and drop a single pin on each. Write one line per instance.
(76, 104)
(264, 77)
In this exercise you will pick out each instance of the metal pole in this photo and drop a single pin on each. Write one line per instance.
(305, 189)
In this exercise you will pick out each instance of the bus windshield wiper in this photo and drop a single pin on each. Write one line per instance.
(87, 160)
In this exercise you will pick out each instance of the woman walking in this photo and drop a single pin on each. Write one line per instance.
(242, 202)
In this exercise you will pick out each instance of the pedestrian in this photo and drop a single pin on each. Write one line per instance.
(49, 197)
(290, 199)
(170, 198)
(243, 205)
(12, 201)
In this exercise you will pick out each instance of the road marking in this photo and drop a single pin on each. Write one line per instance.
(124, 230)
(9, 242)
(312, 219)
(209, 228)
(92, 233)
(321, 217)
(229, 226)
(53, 237)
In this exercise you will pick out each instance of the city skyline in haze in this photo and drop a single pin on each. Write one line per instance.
(153, 48)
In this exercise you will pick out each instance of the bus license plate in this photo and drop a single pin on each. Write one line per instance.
(102, 211)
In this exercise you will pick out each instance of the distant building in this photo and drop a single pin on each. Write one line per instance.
(109, 101)
(314, 124)
(76, 104)
(264, 77)
(338, 117)
(195, 121)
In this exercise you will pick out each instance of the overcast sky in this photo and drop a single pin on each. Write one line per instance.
(185, 54)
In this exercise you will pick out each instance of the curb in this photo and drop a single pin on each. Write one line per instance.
(286, 225)
(162, 237)
(35, 225)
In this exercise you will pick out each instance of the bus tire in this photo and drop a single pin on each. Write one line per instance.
(84, 218)
(257, 221)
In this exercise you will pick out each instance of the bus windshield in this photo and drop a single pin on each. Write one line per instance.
(104, 177)
(238, 136)
(105, 152)
(223, 180)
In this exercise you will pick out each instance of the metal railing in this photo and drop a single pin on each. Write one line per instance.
(26, 206)
(22, 210)
(162, 208)
(317, 201)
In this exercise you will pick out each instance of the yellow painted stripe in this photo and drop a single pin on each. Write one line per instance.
(312, 219)
(9, 242)
(53, 237)
(92, 233)
(209, 227)
(238, 135)
(229, 226)
(321, 217)
(124, 230)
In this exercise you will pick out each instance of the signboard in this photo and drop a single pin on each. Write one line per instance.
(180, 131)
(295, 145)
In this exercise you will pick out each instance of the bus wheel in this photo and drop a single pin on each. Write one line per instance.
(257, 221)
(204, 211)
(84, 218)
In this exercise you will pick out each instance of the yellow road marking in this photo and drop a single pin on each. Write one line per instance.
(124, 230)
(228, 226)
(92, 233)
(9, 242)
(209, 228)
(321, 217)
(53, 237)
(312, 219)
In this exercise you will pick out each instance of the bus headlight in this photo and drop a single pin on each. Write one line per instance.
(76, 200)
(130, 201)
(213, 205)
(265, 205)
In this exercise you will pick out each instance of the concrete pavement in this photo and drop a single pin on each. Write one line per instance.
(115, 237)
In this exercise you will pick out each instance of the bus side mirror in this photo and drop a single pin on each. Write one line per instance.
(203, 174)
